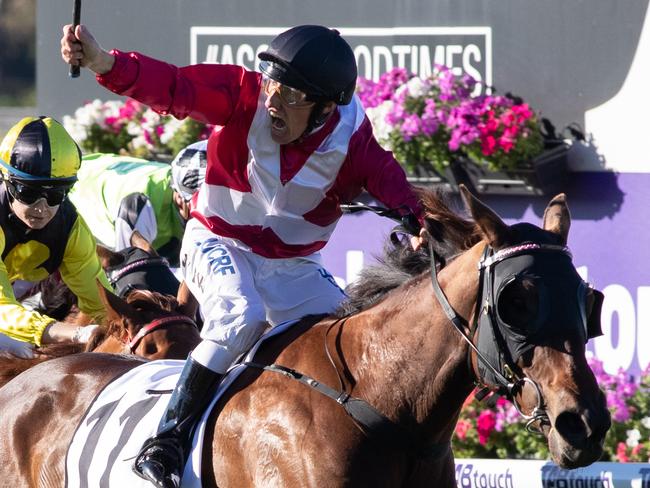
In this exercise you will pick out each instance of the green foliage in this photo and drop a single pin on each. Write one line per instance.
(190, 131)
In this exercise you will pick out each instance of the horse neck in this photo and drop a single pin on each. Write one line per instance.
(411, 362)
(111, 344)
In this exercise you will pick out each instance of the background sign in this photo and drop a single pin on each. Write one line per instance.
(377, 50)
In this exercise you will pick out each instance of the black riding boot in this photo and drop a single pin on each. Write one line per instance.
(162, 458)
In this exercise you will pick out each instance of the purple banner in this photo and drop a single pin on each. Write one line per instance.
(609, 239)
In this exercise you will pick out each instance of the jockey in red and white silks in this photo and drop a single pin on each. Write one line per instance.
(279, 203)
(290, 145)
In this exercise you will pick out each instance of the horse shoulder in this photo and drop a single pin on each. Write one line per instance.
(281, 422)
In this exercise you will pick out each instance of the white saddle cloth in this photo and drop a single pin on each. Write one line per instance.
(124, 415)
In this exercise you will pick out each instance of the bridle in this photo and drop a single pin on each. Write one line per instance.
(117, 274)
(509, 383)
(132, 342)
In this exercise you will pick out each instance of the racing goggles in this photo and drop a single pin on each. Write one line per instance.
(289, 96)
(29, 195)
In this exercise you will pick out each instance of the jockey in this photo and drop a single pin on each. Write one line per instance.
(291, 144)
(41, 232)
(117, 195)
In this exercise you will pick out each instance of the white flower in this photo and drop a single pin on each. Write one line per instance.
(170, 129)
(645, 421)
(134, 128)
(417, 87)
(633, 437)
(380, 128)
(76, 130)
(138, 142)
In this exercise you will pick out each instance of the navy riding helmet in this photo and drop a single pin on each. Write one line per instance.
(315, 60)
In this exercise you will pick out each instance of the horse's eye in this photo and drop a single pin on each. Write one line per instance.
(150, 348)
(518, 303)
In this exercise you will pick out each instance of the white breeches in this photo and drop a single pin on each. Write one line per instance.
(240, 292)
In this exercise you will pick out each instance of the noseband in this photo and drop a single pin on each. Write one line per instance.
(509, 383)
(132, 343)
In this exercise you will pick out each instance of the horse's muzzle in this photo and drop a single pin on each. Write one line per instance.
(577, 436)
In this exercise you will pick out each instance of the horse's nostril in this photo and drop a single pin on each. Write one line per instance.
(597, 424)
(571, 426)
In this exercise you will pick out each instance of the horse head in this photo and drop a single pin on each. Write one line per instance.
(147, 324)
(533, 317)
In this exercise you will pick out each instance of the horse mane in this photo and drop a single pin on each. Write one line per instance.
(451, 235)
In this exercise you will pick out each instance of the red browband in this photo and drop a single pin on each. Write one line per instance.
(153, 325)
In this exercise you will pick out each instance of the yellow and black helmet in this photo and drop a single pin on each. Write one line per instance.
(39, 150)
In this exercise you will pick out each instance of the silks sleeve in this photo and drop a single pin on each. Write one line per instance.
(81, 269)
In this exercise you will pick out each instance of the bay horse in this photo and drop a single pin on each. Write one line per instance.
(147, 324)
(370, 397)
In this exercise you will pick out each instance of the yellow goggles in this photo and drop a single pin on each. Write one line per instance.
(289, 96)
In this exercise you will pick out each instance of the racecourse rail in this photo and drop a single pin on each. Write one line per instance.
(507, 473)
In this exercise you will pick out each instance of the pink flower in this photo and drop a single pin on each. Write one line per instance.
(485, 425)
(508, 118)
(506, 143)
(621, 453)
(492, 124)
(523, 112)
(488, 145)
(411, 127)
(461, 429)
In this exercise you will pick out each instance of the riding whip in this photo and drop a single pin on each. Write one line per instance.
(76, 19)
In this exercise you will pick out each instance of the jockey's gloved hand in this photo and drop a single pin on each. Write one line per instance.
(84, 333)
(417, 241)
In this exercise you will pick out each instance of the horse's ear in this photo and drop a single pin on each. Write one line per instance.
(116, 308)
(139, 241)
(495, 231)
(187, 303)
(108, 258)
(557, 218)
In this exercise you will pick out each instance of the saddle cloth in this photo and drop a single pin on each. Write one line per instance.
(125, 414)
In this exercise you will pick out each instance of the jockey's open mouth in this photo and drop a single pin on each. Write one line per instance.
(277, 123)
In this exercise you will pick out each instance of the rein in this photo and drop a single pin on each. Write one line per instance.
(133, 342)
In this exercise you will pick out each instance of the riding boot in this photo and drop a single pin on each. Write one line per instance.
(162, 458)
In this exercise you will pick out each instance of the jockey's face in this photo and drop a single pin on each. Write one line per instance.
(288, 122)
(35, 216)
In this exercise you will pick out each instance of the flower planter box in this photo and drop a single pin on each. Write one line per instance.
(548, 174)
(430, 177)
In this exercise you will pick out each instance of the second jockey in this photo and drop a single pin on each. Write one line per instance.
(118, 195)
(291, 144)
